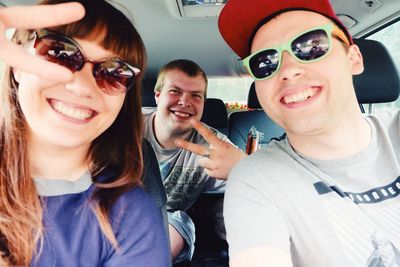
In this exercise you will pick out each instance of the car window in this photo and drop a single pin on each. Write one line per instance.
(233, 91)
(391, 39)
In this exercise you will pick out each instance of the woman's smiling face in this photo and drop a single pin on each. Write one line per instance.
(70, 114)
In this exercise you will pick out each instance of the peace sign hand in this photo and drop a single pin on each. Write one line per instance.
(35, 17)
(219, 158)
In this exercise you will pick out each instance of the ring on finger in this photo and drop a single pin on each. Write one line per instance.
(207, 153)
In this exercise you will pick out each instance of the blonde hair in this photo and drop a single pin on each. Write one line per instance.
(186, 66)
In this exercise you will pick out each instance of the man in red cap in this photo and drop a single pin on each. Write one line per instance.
(328, 192)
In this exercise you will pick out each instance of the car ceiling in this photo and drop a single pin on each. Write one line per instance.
(167, 35)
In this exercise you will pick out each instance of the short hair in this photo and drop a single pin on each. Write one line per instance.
(188, 67)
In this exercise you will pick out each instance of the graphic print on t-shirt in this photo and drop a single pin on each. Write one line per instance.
(165, 168)
(182, 185)
(372, 196)
(365, 225)
(384, 253)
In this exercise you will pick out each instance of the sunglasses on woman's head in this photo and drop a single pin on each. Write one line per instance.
(309, 46)
(112, 75)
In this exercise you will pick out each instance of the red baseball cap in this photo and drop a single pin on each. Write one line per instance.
(239, 19)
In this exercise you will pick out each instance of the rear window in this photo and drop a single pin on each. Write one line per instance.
(233, 91)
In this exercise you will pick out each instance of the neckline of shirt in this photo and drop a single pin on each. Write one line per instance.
(55, 187)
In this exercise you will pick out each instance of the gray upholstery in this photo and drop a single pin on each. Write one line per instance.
(151, 175)
(252, 100)
(379, 83)
(240, 122)
(152, 181)
(148, 99)
(215, 115)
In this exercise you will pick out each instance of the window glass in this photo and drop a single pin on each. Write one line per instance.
(233, 91)
(390, 37)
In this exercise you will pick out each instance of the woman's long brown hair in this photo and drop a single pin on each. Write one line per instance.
(118, 149)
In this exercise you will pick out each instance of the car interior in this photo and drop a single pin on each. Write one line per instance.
(188, 29)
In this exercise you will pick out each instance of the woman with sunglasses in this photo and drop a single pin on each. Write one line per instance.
(71, 158)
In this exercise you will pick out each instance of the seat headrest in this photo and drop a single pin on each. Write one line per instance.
(379, 82)
(148, 99)
(252, 100)
(215, 113)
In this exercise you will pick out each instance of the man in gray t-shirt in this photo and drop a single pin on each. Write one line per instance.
(328, 194)
(180, 93)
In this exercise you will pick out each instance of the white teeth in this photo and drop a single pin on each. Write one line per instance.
(301, 96)
(74, 113)
(181, 114)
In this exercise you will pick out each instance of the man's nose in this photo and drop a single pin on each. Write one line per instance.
(184, 99)
(290, 68)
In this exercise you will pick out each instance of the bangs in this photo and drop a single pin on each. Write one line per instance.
(110, 28)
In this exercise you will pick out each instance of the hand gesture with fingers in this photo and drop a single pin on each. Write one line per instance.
(219, 158)
(35, 17)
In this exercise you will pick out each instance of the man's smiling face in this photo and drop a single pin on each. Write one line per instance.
(307, 98)
(180, 100)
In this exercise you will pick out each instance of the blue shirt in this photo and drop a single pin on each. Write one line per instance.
(73, 236)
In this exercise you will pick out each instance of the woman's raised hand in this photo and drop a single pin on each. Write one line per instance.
(35, 17)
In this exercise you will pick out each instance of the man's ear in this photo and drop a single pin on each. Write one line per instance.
(157, 96)
(356, 60)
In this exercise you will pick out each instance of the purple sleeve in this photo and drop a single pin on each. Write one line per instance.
(140, 231)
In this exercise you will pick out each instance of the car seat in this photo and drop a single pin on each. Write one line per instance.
(241, 122)
(215, 114)
(379, 83)
(152, 182)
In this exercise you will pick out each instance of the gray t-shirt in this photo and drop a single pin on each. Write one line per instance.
(184, 179)
(324, 213)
